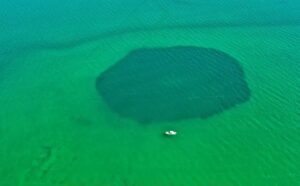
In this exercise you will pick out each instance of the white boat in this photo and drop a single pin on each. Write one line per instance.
(171, 133)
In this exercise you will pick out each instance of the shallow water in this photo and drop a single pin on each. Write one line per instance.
(55, 128)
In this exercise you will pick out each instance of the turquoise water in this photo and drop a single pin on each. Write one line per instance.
(56, 129)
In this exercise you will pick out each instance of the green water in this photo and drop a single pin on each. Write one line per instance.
(55, 129)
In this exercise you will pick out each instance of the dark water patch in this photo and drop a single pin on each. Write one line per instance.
(81, 120)
(169, 84)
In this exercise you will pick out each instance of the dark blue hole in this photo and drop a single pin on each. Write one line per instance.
(170, 84)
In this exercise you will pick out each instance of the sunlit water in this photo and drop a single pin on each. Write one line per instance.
(56, 128)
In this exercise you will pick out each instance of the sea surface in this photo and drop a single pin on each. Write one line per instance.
(56, 129)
